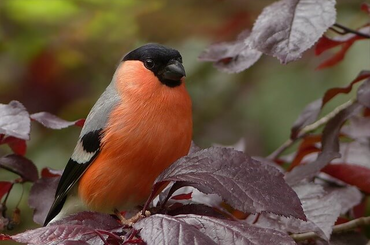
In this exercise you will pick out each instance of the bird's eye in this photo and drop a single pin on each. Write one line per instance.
(149, 63)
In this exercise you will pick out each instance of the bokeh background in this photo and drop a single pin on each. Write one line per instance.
(59, 55)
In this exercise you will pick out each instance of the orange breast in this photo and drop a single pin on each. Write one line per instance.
(151, 129)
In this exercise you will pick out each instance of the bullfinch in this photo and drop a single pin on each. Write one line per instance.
(139, 126)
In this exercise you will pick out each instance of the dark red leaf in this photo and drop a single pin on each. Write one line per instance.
(231, 57)
(325, 43)
(51, 121)
(346, 41)
(331, 93)
(21, 166)
(310, 140)
(79, 227)
(80, 122)
(330, 147)
(5, 186)
(360, 209)
(239, 180)
(184, 196)
(278, 31)
(18, 146)
(307, 147)
(235, 232)
(366, 112)
(48, 172)
(351, 174)
(312, 110)
(4, 237)
(44, 189)
(301, 154)
(338, 57)
(365, 7)
(164, 229)
(15, 120)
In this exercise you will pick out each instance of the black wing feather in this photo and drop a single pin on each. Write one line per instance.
(73, 172)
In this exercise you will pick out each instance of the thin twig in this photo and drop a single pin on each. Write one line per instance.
(304, 131)
(345, 30)
(7, 195)
(326, 118)
(350, 225)
(20, 199)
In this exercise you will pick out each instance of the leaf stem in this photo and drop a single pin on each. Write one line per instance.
(326, 118)
(7, 195)
(336, 229)
(345, 30)
(20, 199)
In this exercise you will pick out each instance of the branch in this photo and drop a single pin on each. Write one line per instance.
(325, 119)
(336, 229)
(345, 30)
(304, 131)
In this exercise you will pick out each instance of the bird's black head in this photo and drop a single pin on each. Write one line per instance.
(165, 63)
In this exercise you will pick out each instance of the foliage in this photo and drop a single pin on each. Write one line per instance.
(244, 200)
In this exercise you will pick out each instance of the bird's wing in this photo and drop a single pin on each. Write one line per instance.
(87, 148)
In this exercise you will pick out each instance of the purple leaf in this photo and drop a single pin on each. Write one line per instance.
(231, 57)
(198, 209)
(44, 189)
(239, 145)
(54, 122)
(287, 28)
(235, 232)
(363, 94)
(90, 219)
(79, 227)
(15, 120)
(355, 152)
(21, 166)
(321, 206)
(330, 147)
(239, 180)
(308, 116)
(354, 166)
(194, 148)
(163, 229)
(359, 127)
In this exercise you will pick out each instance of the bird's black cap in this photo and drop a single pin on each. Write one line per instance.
(164, 62)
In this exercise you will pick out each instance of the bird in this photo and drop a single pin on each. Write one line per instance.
(139, 126)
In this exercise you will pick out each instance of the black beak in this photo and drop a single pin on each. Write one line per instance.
(174, 71)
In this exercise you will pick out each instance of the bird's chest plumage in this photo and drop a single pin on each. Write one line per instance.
(143, 137)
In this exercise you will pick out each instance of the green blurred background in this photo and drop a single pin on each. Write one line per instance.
(59, 55)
